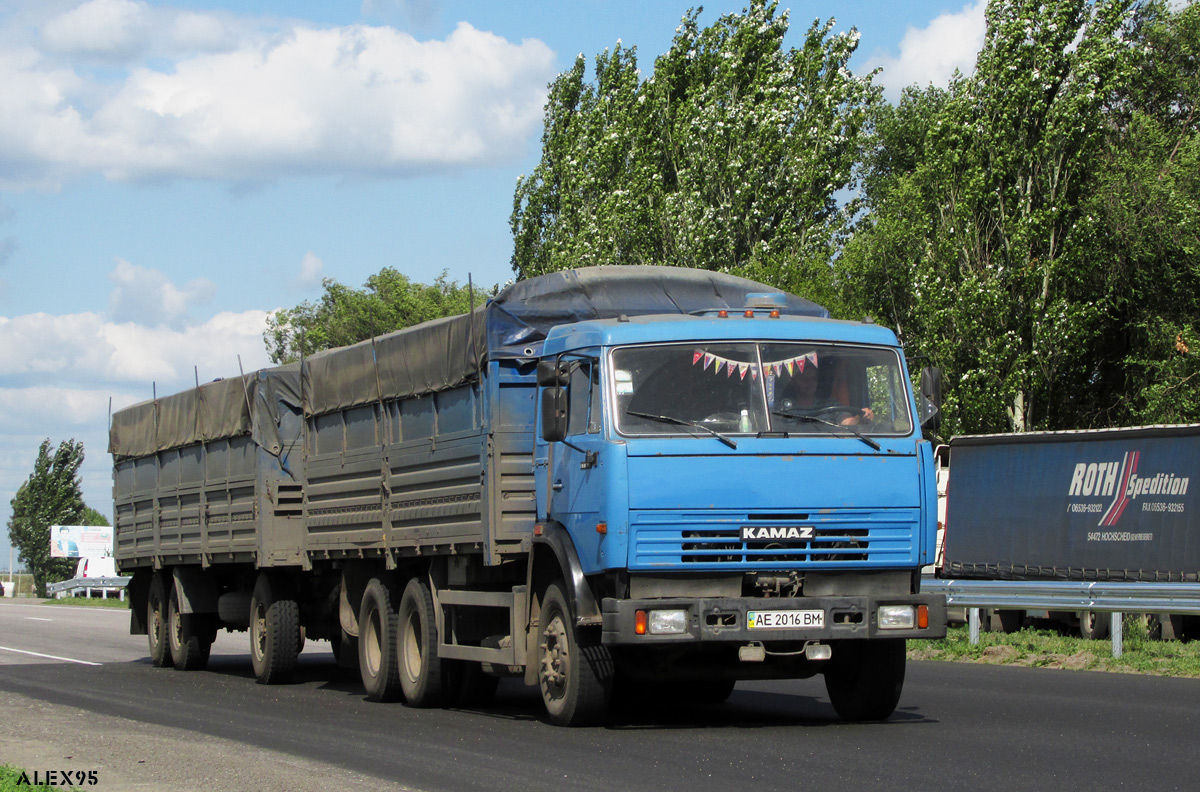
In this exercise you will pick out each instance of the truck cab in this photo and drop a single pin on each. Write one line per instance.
(747, 493)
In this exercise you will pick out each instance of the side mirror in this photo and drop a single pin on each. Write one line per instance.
(552, 373)
(554, 413)
(930, 402)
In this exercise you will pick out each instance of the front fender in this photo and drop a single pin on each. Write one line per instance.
(554, 537)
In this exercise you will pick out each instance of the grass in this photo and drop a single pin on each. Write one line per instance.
(88, 602)
(1038, 648)
(9, 776)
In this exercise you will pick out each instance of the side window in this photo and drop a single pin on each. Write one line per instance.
(580, 398)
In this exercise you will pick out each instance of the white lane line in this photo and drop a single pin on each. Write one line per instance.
(50, 656)
(36, 618)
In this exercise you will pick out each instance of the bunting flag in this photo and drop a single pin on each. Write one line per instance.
(793, 365)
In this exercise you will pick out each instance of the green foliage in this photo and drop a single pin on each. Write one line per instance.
(1032, 228)
(50, 496)
(388, 302)
(727, 158)
(1041, 648)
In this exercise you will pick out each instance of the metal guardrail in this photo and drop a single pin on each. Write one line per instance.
(87, 583)
(1068, 595)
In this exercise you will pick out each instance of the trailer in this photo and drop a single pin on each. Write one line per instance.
(605, 482)
(1089, 505)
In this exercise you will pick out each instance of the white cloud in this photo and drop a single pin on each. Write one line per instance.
(147, 297)
(84, 349)
(59, 373)
(312, 270)
(242, 99)
(929, 55)
(105, 28)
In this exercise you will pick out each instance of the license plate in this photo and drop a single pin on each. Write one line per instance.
(785, 620)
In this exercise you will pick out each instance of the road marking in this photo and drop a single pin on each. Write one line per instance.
(52, 657)
(35, 618)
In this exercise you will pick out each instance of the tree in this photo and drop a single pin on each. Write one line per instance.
(978, 245)
(729, 157)
(1147, 202)
(50, 496)
(388, 302)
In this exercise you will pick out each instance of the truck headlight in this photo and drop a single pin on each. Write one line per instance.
(668, 622)
(897, 617)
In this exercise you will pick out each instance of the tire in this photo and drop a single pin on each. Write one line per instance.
(1093, 625)
(377, 643)
(156, 622)
(422, 676)
(865, 679)
(575, 674)
(274, 632)
(189, 636)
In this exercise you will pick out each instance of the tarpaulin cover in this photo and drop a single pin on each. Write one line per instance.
(447, 352)
(225, 408)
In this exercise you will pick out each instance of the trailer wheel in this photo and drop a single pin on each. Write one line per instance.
(865, 678)
(274, 629)
(1093, 625)
(156, 622)
(377, 643)
(575, 673)
(421, 672)
(188, 635)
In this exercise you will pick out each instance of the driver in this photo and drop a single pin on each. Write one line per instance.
(804, 400)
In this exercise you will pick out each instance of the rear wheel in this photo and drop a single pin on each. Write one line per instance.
(156, 622)
(377, 643)
(1093, 625)
(865, 678)
(575, 672)
(189, 636)
(274, 632)
(421, 671)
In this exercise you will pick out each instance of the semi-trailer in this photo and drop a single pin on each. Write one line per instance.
(607, 479)
(1088, 505)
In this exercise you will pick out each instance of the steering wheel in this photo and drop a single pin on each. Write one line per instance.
(837, 409)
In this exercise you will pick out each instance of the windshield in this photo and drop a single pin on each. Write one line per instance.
(749, 388)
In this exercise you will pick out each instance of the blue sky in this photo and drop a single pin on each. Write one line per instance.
(170, 173)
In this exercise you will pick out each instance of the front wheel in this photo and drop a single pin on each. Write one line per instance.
(865, 678)
(575, 674)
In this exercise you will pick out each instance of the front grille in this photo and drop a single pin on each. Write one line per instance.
(839, 538)
(725, 546)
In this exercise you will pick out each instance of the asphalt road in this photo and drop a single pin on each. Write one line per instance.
(958, 727)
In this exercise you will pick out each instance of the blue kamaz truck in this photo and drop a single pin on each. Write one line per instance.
(617, 481)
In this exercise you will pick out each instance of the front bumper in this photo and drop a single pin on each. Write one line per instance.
(724, 620)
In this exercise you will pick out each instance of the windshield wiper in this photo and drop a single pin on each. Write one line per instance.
(681, 422)
(816, 420)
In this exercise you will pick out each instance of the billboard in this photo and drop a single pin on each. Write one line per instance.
(81, 541)
(1114, 504)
